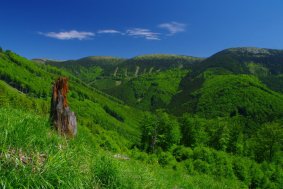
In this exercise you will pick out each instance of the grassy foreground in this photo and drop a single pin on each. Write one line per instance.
(34, 156)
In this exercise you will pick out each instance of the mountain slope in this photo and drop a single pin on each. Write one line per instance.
(97, 70)
(137, 81)
(237, 60)
(219, 77)
(229, 137)
(34, 81)
(149, 91)
(266, 64)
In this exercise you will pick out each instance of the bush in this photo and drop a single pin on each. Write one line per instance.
(201, 166)
(165, 158)
(182, 153)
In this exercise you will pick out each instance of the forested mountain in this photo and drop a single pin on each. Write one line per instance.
(153, 121)
(149, 82)
(264, 65)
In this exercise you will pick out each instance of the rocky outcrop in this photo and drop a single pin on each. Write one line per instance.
(62, 119)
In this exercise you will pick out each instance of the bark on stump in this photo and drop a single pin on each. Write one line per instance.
(63, 120)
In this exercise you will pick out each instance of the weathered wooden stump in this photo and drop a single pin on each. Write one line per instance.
(63, 120)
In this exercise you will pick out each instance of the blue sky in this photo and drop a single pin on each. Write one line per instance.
(71, 29)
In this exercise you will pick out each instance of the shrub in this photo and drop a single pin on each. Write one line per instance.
(201, 166)
(165, 158)
(182, 153)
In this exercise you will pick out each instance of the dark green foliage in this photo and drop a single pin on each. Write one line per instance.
(201, 166)
(182, 153)
(275, 82)
(165, 159)
(268, 141)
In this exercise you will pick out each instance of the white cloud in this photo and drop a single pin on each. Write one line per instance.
(109, 31)
(145, 33)
(68, 35)
(173, 27)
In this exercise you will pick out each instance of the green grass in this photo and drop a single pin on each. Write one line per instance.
(32, 155)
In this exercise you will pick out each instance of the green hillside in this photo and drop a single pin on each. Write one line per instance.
(97, 70)
(219, 126)
(265, 67)
(229, 95)
(34, 82)
(150, 91)
(266, 64)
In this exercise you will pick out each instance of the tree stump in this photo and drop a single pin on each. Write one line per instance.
(63, 120)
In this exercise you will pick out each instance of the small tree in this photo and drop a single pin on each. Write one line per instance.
(149, 126)
(159, 130)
